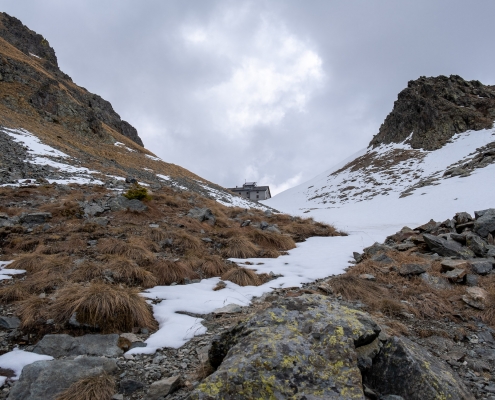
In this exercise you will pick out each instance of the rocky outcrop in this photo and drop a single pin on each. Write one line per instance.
(53, 95)
(311, 348)
(432, 110)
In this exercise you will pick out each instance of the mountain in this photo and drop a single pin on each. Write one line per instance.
(433, 156)
(54, 130)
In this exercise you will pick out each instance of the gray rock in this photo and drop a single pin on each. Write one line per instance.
(376, 248)
(10, 322)
(435, 281)
(272, 228)
(391, 397)
(128, 386)
(228, 309)
(481, 267)
(456, 275)
(268, 213)
(264, 225)
(35, 218)
(447, 248)
(306, 345)
(472, 280)
(462, 217)
(93, 210)
(163, 388)
(489, 211)
(490, 251)
(102, 221)
(44, 380)
(450, 265)
(366, 354)
(357, 256)
(202, 214)
(476, 244)
(245, 223)
(458, 237)
(406, 369)
(412, 269)
(485, 223)
(136, 205)
(382, 258)
(64, 345)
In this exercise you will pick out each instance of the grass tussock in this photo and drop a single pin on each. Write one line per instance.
(214, 266)
(38, 262)
(87, 271)
(109, 307)
(44, 281)
(15, 292)
(242, 277)
(126, 271)
(100, 387)
(167, 272)
(32, 311)
(272, 240)
(186, 241)
(134, 251)
(239, 247)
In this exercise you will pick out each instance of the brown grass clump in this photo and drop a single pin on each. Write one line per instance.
(272, 240)
(134, 251)
(488, 314)
(32, 311)
(87, 271)
(157, 235)
(125, 271)
(168, 271)
(101, 387)
(390, 307)
(242, 277)
(38, 262)
(14, 292)
(186, 241)
(214, 266)
(109, 307)
(354, 288)
(21, 244)
(44, 281)
(240, 247)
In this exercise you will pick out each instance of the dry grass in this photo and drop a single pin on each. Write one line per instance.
(354, 288)
(272, 240)
(101, 387)
(488, 314)
(134, 251)
(242, 277)
(86, 272)
(240, 247)
(186, 241)
(37, 262)
(109, 307)
(168, 271)
(128, 272)
(32, 311)
(14, 292)
(214, 266)
(44, 281)
(157, 235)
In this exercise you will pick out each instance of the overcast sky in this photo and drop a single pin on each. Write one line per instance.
(270, 91)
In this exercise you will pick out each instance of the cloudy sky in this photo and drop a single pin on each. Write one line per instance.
(271, 91)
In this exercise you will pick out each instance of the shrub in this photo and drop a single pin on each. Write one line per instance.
(111, 308)
(100, 387)
(242, 277)
(137, 192)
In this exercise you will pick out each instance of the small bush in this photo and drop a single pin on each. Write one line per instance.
(137, 192)
(101, 387)
(111, 308)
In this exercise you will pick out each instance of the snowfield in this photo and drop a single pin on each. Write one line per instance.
(365, 220)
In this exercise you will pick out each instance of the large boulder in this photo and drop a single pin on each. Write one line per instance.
(485, 222)
(447, 248)
(302, 347)
(403, 368)
(202, 214)
(93, 345)
(45, 380)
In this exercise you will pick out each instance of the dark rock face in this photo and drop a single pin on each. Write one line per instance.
(76, 109)
(434, 109)
(403, 368)
(44, 380)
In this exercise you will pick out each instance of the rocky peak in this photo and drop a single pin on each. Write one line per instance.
(24, 39)
(434, 109)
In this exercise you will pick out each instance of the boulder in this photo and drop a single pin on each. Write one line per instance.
(376, 248)
(476, 244)
(9, 322)
(35, 218)
(450, 265)
(93, 345)
(44, 380)
(403, 368)
(435, 281)
(159, 389)
(304, 346)
(202, 214)
(455, 275)
(475, 297)
(136, 205)
(128, 386)
(382, 258)
(123, 203)
(481, 267)
(412, 269)
(485, 222)
(93, 210)
(462, 218)
(447, 248)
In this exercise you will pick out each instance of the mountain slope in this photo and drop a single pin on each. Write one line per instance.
(395, 181)
(84, 139)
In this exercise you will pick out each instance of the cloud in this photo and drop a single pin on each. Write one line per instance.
(272, 74)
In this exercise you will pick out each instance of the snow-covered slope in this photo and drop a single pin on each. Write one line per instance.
(377, 191)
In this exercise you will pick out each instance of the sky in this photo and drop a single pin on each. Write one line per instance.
(269, 91)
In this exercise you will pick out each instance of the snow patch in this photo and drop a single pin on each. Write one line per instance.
(16, 360)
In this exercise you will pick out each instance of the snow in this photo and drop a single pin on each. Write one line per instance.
(34, 55)
(153, 158)
(365, 220)
(42, 154)
(122, 145)
(16, 360)
(6, 273)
